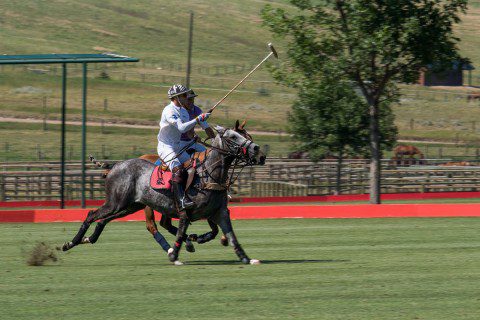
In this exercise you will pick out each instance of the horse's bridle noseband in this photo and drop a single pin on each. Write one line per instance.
(239, 153)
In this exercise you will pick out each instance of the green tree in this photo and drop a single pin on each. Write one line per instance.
(374, 43)
(329, 120)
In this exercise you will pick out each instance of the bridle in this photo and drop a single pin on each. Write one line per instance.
(238, 153)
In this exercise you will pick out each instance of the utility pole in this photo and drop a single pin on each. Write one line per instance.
(189, 59)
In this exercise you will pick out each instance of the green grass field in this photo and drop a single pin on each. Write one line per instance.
(313, 269)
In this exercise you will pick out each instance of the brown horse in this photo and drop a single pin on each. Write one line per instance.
(473, 96)
(403, 150)
(298, 155)
(458, 164)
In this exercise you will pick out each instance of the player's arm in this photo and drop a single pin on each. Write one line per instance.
(183, 127)
(207, 129)
(205, 126)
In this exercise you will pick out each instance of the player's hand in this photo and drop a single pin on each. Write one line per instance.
(203, 117)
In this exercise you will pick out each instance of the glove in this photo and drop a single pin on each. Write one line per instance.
(203, 117)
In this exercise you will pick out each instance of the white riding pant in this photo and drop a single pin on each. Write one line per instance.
(167, 152)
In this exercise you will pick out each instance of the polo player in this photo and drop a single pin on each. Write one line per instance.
(174, 122)
(187, 138)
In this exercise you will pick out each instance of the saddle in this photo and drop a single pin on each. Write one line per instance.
(161, 179)
(162, 176)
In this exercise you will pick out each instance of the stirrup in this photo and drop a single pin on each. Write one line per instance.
(185, 204)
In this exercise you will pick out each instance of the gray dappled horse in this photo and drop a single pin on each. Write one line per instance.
(128, 190)
(166, 222)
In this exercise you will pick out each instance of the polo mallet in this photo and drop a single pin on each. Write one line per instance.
(272, 52)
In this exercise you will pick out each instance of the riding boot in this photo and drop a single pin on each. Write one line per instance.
(179, 191)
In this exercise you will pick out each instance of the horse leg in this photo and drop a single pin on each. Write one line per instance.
(105, 212)
(152, 228)
(166, 223)
(208, 236)
(134, 207)
(98, 230)
(223, 239)
(91, 217)
(223, 220)
(181, 236)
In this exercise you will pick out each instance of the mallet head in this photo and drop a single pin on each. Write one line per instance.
(270, 46)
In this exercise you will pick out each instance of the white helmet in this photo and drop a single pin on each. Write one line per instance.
(177, 90)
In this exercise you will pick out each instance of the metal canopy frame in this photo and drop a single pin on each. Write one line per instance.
(65, 59)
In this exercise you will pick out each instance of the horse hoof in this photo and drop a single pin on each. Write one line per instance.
(255, 262)
(85, 240)
(178, 263)
(245, 260)
(193, 237)
(224, 241)
(171, 255)
(66, 246)
(189, 246)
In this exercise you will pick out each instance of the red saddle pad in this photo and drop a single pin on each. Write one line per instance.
(160, 179)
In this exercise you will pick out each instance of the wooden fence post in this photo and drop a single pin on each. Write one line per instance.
(45, 112)
(3, 193)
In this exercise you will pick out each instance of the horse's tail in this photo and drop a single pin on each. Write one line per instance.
(103, 165)
(99, 164)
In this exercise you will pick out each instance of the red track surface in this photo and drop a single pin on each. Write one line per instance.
(340, 198)
(272, 212)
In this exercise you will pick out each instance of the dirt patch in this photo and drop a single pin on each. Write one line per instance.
(30, 90)
(105, 32)
(41, 254)
(98, 48)
(459, 89)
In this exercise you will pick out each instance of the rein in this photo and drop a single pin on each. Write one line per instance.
(235, 150)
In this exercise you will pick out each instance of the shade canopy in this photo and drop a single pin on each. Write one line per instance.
(64, 58)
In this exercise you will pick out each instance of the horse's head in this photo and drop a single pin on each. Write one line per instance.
(239, 142)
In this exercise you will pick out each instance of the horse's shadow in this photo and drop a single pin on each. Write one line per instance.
(210, 263)
(282, 261)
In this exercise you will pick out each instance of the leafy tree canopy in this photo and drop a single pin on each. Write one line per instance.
(373, 42)
(329, 119)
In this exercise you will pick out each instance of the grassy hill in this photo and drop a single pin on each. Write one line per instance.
(228, 40)
(224, 31)
(468, 32)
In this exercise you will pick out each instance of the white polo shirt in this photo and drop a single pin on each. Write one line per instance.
(175, 121)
